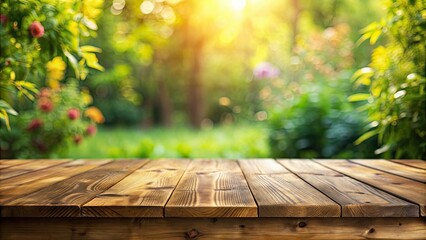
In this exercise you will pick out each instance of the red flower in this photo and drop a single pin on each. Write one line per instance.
(35, 124)
(91, 130)
(77, 139)
(73, 113)
(45, 105)
(3, 19)
(36, 29)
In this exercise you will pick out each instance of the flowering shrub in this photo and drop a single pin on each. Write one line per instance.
(55, 121)
(36, 32)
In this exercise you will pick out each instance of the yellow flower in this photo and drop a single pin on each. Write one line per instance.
(55, 72)
(95, 114)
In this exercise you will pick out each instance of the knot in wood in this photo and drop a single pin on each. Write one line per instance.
(192, 234)
(302, 224)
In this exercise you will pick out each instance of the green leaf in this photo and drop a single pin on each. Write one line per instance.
(361, 72)
(5, 117)
(366, 136)
(358, 97)
(74, 63)
(374, 36)
(88, 48)
(4, 105)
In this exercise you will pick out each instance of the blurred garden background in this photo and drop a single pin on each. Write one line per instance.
(213, 78)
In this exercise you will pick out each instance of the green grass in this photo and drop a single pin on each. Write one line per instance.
(232, 141)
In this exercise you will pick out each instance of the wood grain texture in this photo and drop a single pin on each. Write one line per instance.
(26, 183)
(410, 190)
(212, 188)
(9, 163)
(144, 193)
(64, 198)
(411, 162)
(394, 168)
(28, 167)
(221, 228)
(280, 193)
(356, 198)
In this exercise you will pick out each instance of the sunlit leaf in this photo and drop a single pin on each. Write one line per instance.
(374, 36)
(74, 63)
(5, 117)
(366, 136)
(4, 105)
(88, 48)
(92, 61)
(358, 97)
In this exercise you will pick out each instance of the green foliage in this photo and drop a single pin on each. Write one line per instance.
(32, 33)
(318, 124)
(396, 78)
(145, 149)
(56, 120)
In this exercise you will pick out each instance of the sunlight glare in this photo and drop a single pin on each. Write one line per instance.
(238, 5)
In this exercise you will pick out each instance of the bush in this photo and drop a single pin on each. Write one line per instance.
(58, 118)
(318, 124)
(396, 76)
(36, 32)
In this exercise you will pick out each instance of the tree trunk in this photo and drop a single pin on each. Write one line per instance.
(195, 96)
(165, 103)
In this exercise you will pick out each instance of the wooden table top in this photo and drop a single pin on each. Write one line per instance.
(212, 188)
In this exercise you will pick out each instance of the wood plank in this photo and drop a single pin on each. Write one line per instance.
(213, 188)
(204, 228)
(356, 198)
(410, 190)
(28, 167)
(280, 193)
(26, 183)
(12, 162)
(411, 162)
(394, 168)
(144, 193)
(64, 198)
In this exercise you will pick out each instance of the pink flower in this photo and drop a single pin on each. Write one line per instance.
(35, 124)
(265, 70)
(91, 130)
(73, 113)
(77, 139)
(36, 29)
(45, 105)
(3, 19)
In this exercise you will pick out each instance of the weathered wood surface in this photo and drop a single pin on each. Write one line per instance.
(144, 193)
(30, 182)
(19, 169)
(9, 163)
(212, 188)
(280, 193)
(412, 163)
(64, 198)
(356, 198)
(395, 168)
(405, 188)
(220, 228)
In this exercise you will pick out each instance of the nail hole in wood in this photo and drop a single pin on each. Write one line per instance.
(302, 224)
(372, 230)
(242, 226)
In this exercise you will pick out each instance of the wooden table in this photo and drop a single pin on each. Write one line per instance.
(206, 199)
